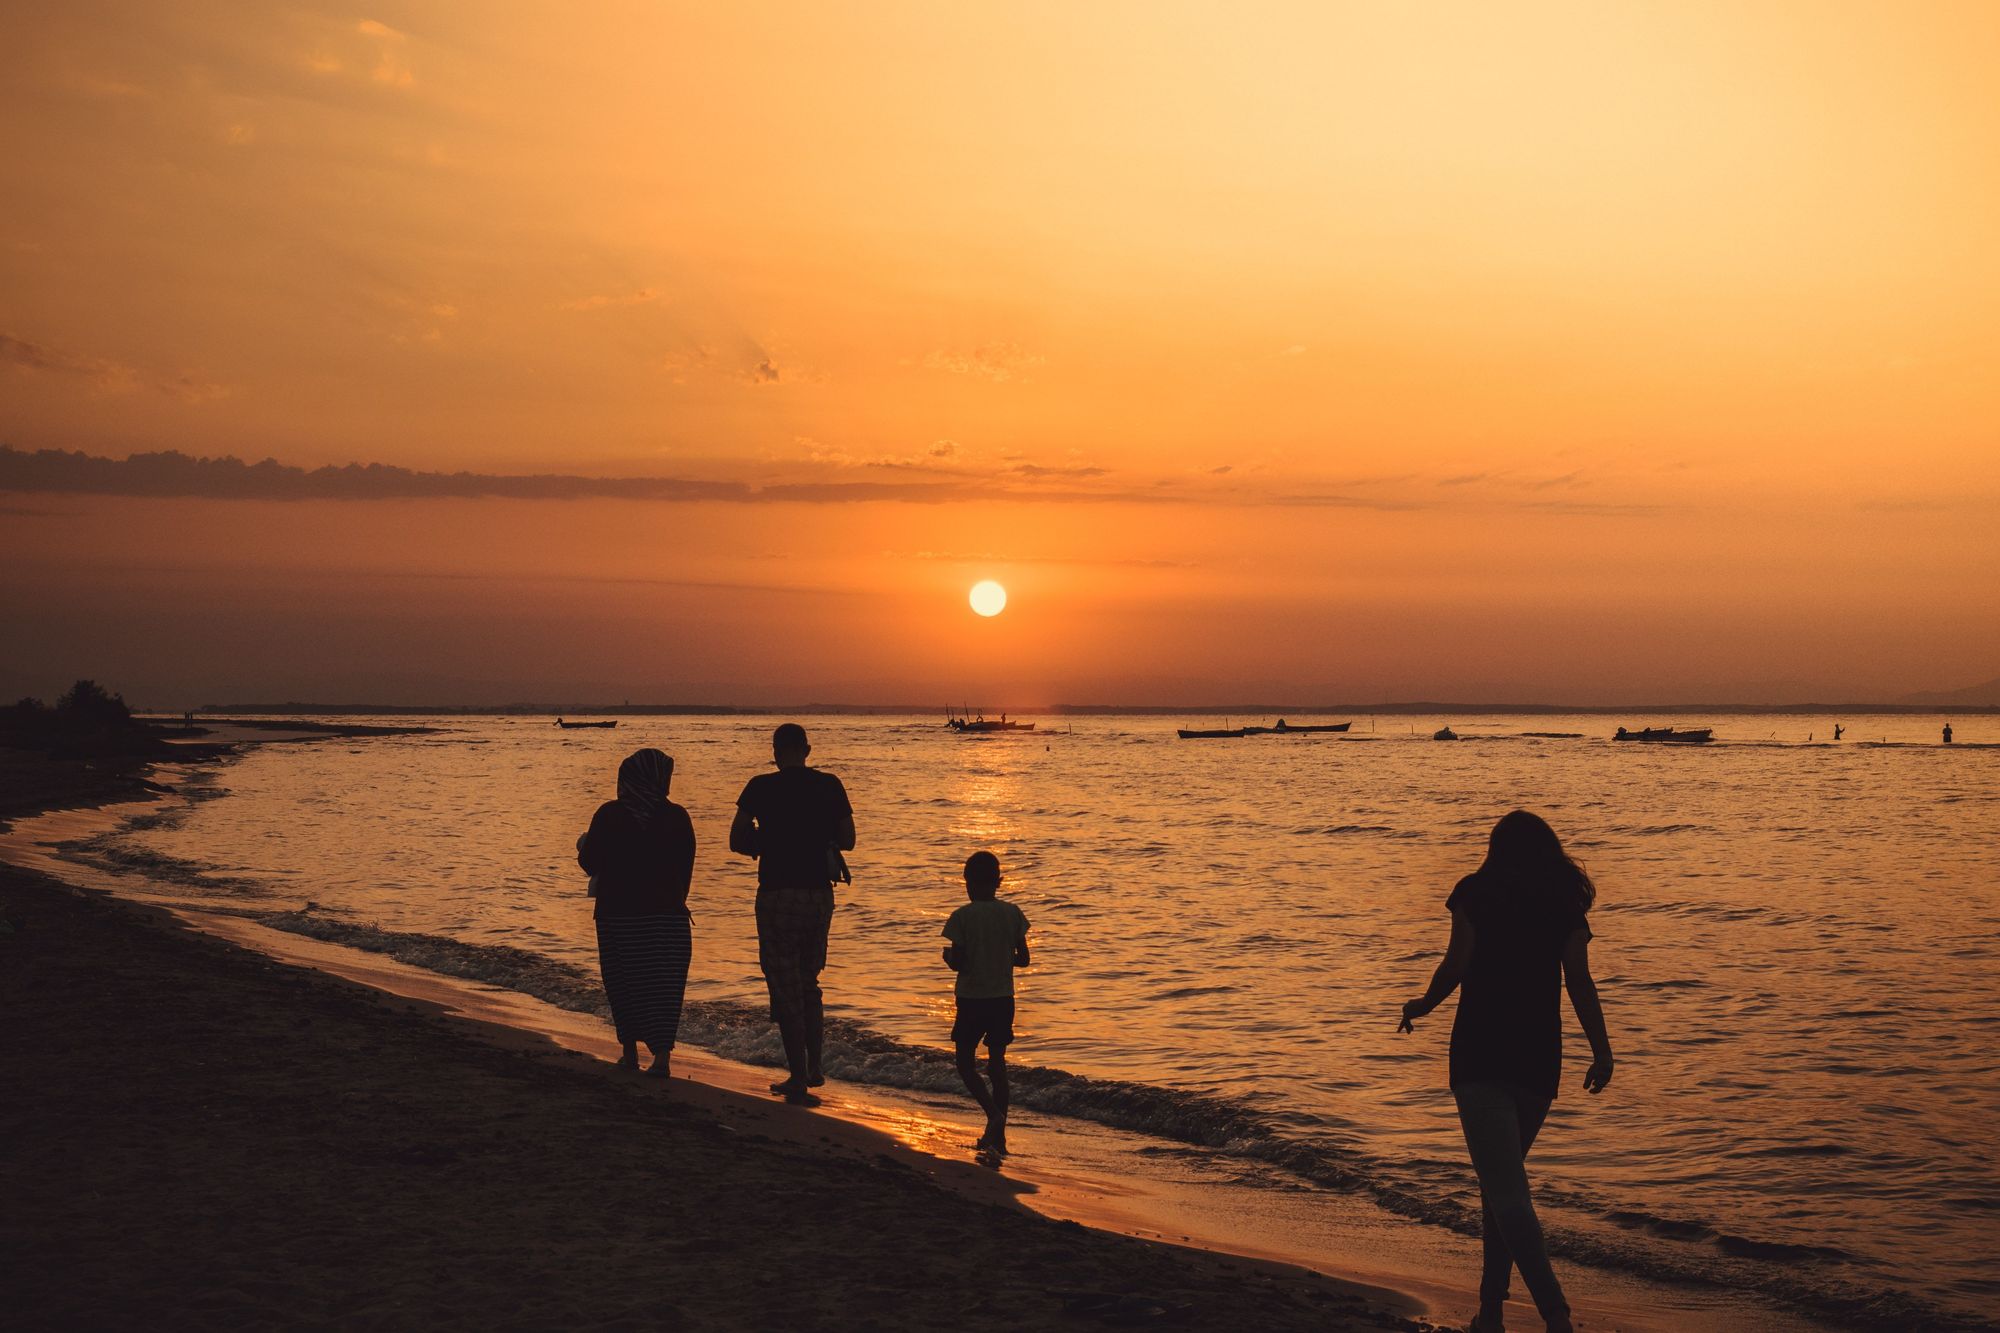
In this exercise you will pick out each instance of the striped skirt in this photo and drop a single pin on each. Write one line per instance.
(644, 960)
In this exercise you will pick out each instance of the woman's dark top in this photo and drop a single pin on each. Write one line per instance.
(1509, 1024)
(640, 869)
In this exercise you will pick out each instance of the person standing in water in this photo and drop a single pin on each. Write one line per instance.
(795, 823)
(1519, 934)
(1947, 733)
(988, 940)
(639, 854)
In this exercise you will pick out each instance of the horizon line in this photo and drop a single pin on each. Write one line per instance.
(1405, 707)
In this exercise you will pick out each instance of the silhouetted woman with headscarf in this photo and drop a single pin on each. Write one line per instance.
(639, 854)
(1518, 936)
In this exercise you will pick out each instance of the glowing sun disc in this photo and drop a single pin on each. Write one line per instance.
(988, 598)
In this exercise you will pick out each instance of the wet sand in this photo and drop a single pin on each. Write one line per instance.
(199, 1135)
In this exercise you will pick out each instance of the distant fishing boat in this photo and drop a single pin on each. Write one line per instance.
(1668, 735)
(1281, 728)
(583, 726)
(983, 725)
(1287, 728)
(1444, 734)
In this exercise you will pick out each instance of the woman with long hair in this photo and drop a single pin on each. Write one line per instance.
(1519, 934)
(639, 854)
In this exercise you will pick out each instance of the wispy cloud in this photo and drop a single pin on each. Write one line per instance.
(602, 301)
(1570, 478)
(999, 558)
(1902, 506)
(1037, 470)
(172, 474)
(1596, 508)
(176, 475)
(105, 375)
(392, 54)
(748, 364)
(998, 361)
(1322, 500)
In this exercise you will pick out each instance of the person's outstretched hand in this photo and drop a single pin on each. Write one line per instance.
(1597, 1076)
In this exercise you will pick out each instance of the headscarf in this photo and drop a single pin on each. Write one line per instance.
(642, 784)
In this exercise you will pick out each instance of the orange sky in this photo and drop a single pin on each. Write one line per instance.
(1320, 351)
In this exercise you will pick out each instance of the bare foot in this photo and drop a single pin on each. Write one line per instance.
(815, 1078)
(661, 1067)
(795, 1093)
(629, 1060)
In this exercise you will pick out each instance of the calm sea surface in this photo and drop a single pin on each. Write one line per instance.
(1796, 944)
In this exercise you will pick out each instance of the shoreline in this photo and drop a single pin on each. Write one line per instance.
(1325, 1234)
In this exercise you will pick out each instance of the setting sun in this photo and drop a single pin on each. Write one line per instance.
(988, 598)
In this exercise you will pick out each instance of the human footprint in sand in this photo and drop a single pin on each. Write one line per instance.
(989, 939)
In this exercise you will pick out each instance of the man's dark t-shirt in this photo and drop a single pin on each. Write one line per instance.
(798, 812)
(640, 869)
(1509, 1024)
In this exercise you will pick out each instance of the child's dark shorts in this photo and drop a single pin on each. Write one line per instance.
(990, 1020)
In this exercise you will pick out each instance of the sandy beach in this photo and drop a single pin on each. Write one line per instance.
(200, 1136)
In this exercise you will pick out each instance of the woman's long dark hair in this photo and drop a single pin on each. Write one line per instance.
(1524, 850)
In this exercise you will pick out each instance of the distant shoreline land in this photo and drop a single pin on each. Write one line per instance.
(1424, 708)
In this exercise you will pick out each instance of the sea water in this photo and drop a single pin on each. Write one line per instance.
(1795, 942)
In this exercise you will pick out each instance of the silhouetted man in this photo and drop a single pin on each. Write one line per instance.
(1947, 733)
(795, 822)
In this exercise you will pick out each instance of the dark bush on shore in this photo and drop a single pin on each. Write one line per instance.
(88, 721)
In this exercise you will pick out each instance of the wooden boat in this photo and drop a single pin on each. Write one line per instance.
(1444, 734)
(982, 726)
(1668, 735)
(584, 726)
(1282, 728)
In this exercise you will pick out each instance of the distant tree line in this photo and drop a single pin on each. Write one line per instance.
(86, 720)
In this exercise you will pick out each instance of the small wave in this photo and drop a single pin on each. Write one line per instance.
(1800, 1150)
(105, 853)
(1741, 1247)
(1190, 992)
(1637, 1219)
